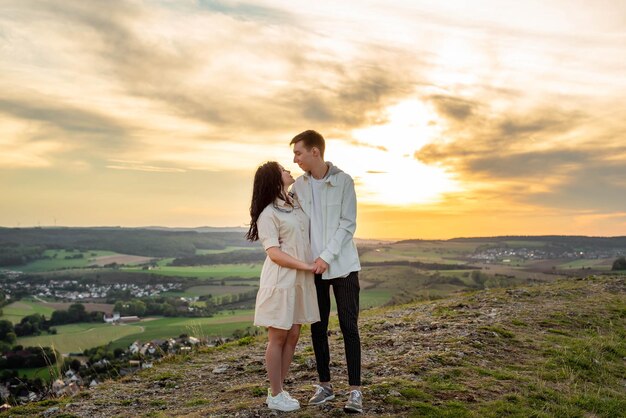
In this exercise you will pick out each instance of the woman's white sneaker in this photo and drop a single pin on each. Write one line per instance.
(282, 402)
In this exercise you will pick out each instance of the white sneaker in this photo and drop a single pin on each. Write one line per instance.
(282, 402)
(269, 395)
(289, 396)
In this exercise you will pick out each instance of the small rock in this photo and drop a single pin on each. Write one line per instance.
(221, 368)
(51, 411)
(387, 325)
(326, 407)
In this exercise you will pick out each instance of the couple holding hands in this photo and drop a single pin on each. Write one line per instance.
(307, 234)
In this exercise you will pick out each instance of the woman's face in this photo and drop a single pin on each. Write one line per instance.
(286, 176)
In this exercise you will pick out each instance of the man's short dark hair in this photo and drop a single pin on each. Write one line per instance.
(311, 139)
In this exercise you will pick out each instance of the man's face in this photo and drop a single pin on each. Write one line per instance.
(303, 157)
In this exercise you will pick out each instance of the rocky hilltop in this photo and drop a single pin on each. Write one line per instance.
(555, 349)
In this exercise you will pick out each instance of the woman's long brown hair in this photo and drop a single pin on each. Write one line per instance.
(268, 185)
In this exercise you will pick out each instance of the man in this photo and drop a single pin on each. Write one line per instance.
(327, 196)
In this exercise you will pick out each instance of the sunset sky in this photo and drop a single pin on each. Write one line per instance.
(455, 118)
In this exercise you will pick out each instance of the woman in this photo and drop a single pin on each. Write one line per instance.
(287, 297)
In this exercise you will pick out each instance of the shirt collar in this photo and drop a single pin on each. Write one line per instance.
(281, 203)
(328, 178)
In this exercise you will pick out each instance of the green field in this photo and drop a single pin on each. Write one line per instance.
(41, 372)
(221, 325)
(214, 290)
(225, 250)
(426, 252)
(15, 311)
(596, 264)
(77, 337)
(371, 298)
(57, 260)
(217, 271)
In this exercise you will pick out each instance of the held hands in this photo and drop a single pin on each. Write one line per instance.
(319, 266)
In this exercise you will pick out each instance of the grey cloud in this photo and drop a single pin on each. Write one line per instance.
(73, 122)
(527, 164)
(488, 137)
(316, 110)
(599, 185)
(453, 107)
(557, 121)
(487, 148)
(363, 92)
(248, 11)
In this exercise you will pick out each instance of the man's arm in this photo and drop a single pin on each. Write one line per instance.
(347, 224)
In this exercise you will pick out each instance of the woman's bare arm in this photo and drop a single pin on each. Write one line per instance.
(285, 260)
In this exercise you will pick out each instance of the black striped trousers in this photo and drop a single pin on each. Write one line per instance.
(346, 290)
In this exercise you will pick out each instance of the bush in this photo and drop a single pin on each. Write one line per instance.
(619, 264)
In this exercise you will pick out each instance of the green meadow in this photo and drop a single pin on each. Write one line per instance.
(221, 325)
(225, 250)
(426, 252)
(78, 337)
(57, 260)
(15, 311)
(217, 271)
(46, 374)
(371, 298)
(214, 290)
(596, 264)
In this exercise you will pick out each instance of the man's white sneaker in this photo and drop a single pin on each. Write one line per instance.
(282, 402)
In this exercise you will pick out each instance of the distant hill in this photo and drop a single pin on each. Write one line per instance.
(200, 229)
(554, 349)
(555, 240)
(162, 242)
(618, 241)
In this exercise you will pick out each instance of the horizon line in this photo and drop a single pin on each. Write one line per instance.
(356, 237)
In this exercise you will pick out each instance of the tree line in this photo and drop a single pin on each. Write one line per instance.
(417, 264)
(27, 357)
(20, 245)
(17, 255)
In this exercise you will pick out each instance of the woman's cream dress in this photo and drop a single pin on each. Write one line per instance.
(286, 296)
